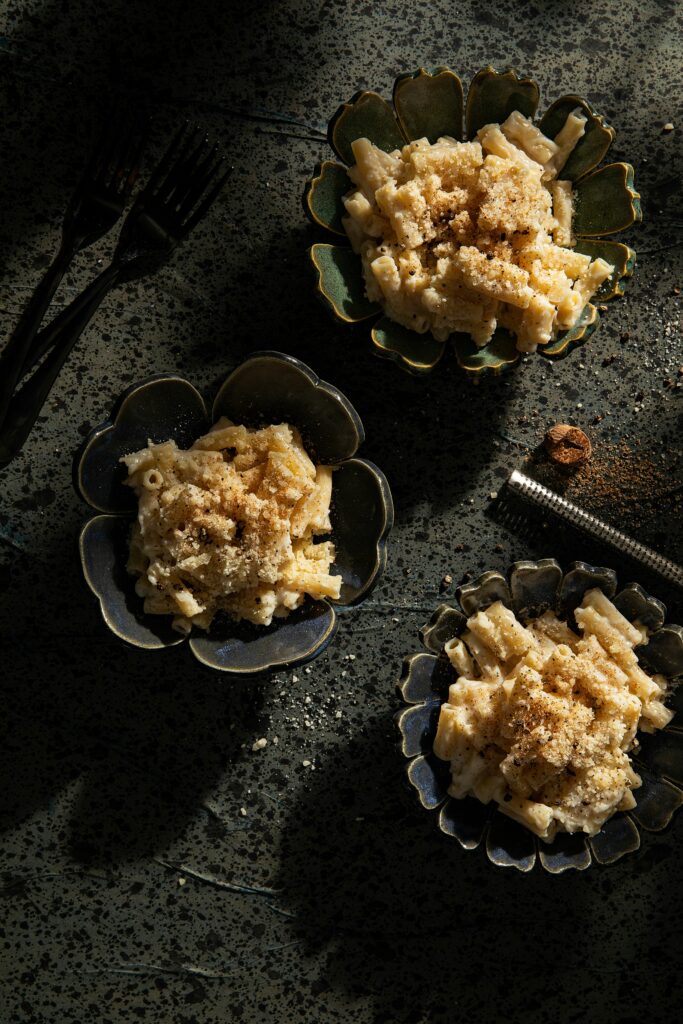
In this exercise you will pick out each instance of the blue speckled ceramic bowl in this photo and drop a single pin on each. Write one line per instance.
(267, 388)
(529, 589)
(430, 103)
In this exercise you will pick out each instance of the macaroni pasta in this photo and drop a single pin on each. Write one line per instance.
(541, 718)
(230, 525)
(469, 236)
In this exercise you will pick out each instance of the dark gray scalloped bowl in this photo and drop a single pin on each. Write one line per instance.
(530, 589)
(269, 387)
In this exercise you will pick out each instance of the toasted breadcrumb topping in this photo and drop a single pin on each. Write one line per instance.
(229, 525)
(469, 236)
(541, 718)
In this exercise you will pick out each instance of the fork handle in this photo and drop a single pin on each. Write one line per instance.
(62, 321)
(26, 404)
(15, 359)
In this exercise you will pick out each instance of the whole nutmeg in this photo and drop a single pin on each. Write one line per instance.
(567, 446)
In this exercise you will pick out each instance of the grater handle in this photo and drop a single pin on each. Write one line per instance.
(543, 497)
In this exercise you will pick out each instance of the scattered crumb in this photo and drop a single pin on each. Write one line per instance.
(260, 744)
(182, 881)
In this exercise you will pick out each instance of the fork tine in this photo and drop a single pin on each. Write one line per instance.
(162, 168)
(188, 173)
(106, 145)
(123, 140)
(171, 171)
(182, 169)
(133, 175)
(198, 186)
(130, 166)
(207, 202)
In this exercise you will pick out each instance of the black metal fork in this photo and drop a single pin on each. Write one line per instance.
(179, 193)
(97, 203)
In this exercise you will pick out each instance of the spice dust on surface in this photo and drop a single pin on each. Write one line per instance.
(621, 482)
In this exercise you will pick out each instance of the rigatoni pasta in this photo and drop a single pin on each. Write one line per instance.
(230, 525)
(469, 236)
(541, 718)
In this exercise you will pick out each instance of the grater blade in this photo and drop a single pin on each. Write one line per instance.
(544, 498)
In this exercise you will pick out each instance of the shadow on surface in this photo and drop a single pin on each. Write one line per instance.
(149, 735)
(60, 66)
(432, 932)
(60, 69)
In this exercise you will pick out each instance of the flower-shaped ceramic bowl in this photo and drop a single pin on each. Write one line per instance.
(429, 103)
(530, 589)
(267, 388)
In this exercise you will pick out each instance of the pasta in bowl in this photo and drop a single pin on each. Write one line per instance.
(239, 539)
(230, 525)
(488, 241)
(539, 721)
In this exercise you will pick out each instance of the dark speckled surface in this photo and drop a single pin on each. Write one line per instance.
(153, 866)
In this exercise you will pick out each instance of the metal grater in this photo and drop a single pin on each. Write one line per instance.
(544, 498)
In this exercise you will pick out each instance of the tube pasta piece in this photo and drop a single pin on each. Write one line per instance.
(460, 236)
(541, 718)
(554, 257)
(537, 321)
(386, 275)
(588, 283)
(229, 525)
(407, 212)
(312, 513)
(569, 309)
(563, 210)
(537, 817)
(548, 626)
(372, 167)
(363, 215)
(152, 479)
(459, 657)
(488, 664)
(524, 134)
(573, 129)
(594, 605)
(498, 628)
(495, 141)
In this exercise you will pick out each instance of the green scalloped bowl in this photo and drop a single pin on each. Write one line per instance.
(430, 102)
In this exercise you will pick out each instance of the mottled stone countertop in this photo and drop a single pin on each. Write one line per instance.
(154, 867)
